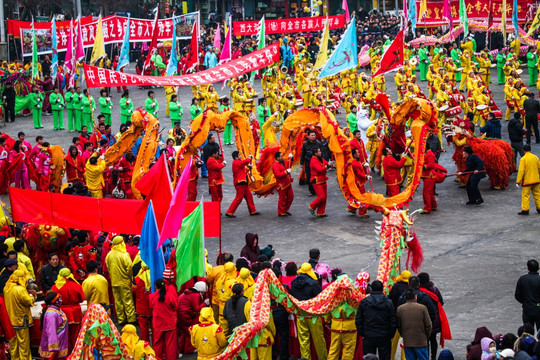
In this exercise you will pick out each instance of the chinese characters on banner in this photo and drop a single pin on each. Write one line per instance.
(477, 10)
(99, 77)
(113, 31)
(292, 25)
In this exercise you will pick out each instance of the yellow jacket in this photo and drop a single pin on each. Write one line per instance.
(119, 266)
(211, 99)
(217, 272)
(343, 324)
(529, 170)
(225, 282)
(96, 289)
(508, 92)
(269, 331)
(208, 338)
(18, 304)
(25, 260)
(94, 175)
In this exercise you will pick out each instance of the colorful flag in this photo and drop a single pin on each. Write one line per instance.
(68, 62)
(535, 23)
(153, 44)
(189, 247)
(515, 18)
(79, 51)
(412, 15)
(217, 39)
(345, 55)
(226, 53)
(34, 52)
(345, 7)
(463, 17)
(261, 42)
(54, 48)
(490, 19)
(124, 53)
(147, 245)
(156, 185)
(173, 220)
(447, 13)
(322, 58)
(503, 21)
(98, 49)
(193, 55)
(393, 56)
(172, 66)
(423, 9)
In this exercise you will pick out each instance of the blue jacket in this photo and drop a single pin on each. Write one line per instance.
(492, 129)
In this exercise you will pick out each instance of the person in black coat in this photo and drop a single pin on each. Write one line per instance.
(515, 133)
(528, 294)
(8, 98)
(532, 109)
(308, 149)
(49, 273)
(376, 322)
(421, 298)
(475, 166)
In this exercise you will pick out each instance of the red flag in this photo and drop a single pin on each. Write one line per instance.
(490, 16)
(193, 56)
(153, 46)
(156, 185)
(392, 57)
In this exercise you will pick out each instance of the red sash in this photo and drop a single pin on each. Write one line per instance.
(445, 327)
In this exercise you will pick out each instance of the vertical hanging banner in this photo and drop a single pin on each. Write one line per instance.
(292, 25)
(54, 47)
(99, 77)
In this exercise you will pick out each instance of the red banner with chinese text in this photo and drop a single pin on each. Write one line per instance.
(99, 77)
(477, 10)
(291, 25)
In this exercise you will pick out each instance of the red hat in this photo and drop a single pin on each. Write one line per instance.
(168, 274)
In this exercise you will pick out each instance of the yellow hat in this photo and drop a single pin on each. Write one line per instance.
(206, 315)
(405, 275)
(306, 269)
(229, 267)
(117, 240)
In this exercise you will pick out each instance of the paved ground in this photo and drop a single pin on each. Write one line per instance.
(473, 254)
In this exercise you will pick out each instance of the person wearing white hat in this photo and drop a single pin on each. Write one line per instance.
(190, 303)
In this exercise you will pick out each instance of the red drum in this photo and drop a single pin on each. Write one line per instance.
(458, 97)
(455, 111)
(375, 106)
(334, 106)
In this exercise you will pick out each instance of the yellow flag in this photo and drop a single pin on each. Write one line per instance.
(423, 9)
(98, 51)
(322, 58)
(503, 21)
(535, 23)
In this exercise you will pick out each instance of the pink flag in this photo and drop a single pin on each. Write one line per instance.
(217, 39)
(153, 44)
(173, 220)
(79, 51)
(447, 13)
(345, 7)
(68, 62)
(226, 54)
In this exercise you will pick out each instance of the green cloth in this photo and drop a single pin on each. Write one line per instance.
(69, 100)
(151, 106)
(195, 110)
(105, 106)
(88, 104)
(57, 102)
(352, 121)
(176, 111)
(189, 247)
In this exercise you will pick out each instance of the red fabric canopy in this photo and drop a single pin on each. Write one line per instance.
(78, 212)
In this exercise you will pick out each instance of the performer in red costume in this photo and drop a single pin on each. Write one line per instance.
(392, 174)
(74, 166)
(190, 303)
(125, 167)
(215, 175)
(358, 143)
(360, 178)
(72, 295)
(44, 160)
(283, 184)
(318, 167)
(240, 169)
(4, 156)
(80, 255)
(193, 177)
(142, 301)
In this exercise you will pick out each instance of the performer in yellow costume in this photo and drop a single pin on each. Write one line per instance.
(207, 337)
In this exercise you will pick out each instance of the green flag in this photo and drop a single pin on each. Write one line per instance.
(34, 53)
(190, 247)
(260, 45)
(463, 17)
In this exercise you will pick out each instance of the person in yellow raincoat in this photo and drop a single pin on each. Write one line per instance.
(264, 350)
(212, 97)
(94, 176)
(529, 179)
(137, 349)
(212, 277)
(169, 92)
(18, 303)
(95, 286)
(399, 79)
(207, 337)
(119, 266)
(224, 285)
(245, 278)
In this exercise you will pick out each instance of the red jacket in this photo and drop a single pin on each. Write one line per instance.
(190, 304)
(239, 171)
(164, 313)
(72, 296)
(75, 168)
(284, 179)
(359, 145)
(127, 169)
(215, 175)
(142, 299)
(429, 164)
(318, 170)
(194, 170)
(359, 172)
(79, 256)
(391, 167)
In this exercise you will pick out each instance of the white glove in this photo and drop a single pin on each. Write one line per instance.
(366, 164)
(517, 185)
(102, 157)
(408, 133)
(120, 169)
(60, 106)
(290, 156)
(153, 105)
(110, 167)
(369, 177)
(38, 106)
(110, 106)
(108, 99)
(130, 111)
(57, 100)
(128, 101)
(207, 301)
(288, 171)
(250, 156)
(171, 158)
(224, 162)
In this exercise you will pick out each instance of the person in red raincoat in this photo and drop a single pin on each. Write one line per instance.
(74, 166)
(80, 255)
(360, 178)
(72, 295)
(240, 170)
(318, 166)
(392, 174)
(215, 175)
(142, 301)
(163, 303)
(190, 303)
(282, 172)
